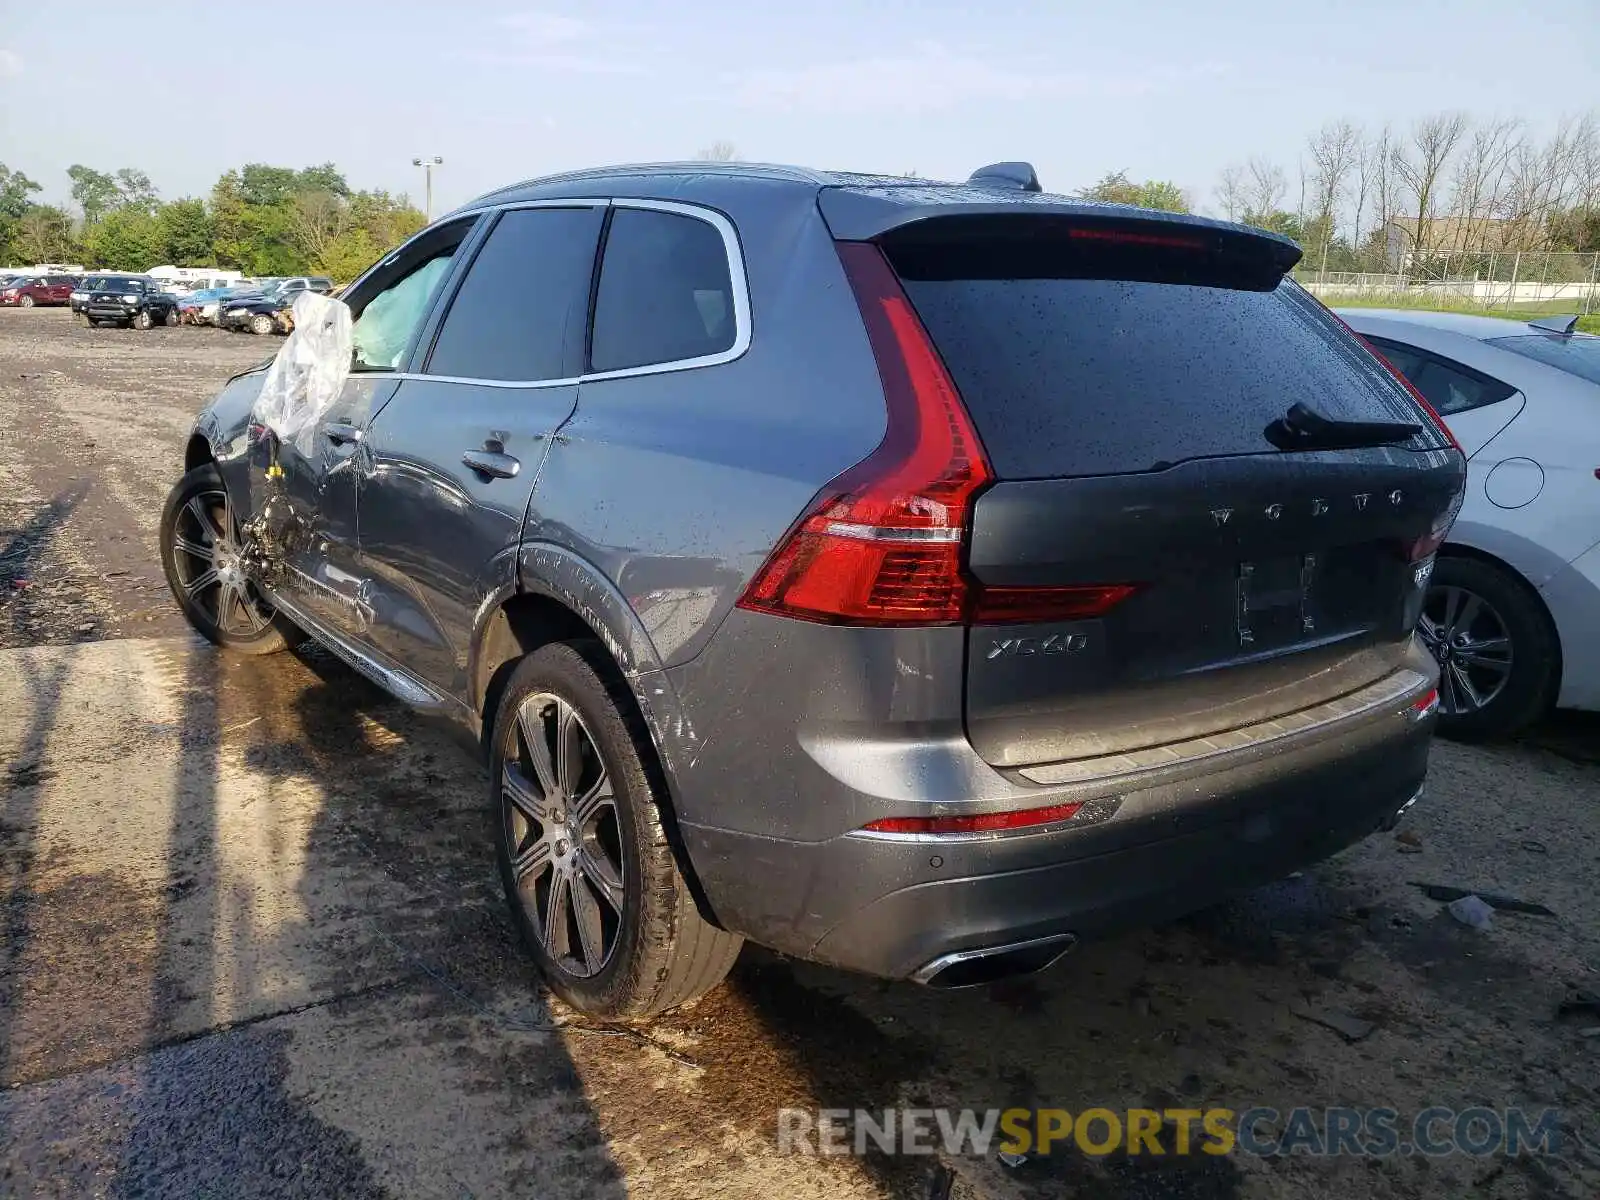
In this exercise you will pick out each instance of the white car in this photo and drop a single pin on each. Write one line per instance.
(1513, 607)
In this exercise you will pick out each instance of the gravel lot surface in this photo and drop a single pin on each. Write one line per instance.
(254, 945)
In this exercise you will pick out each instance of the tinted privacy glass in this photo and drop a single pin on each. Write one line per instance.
(520, 311)
(1448, 386)
(1576, 354)
(665, 292)
(1095, 375)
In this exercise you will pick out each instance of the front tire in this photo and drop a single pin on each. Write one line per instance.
(26, 302)
(1498, 653)
(200, 555)
(594, 888)
(141, 319)
(260, 324)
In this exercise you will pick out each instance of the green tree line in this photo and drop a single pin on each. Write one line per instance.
(259, 219)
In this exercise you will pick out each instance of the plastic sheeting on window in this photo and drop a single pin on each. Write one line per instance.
(387, 323)
(309, 371)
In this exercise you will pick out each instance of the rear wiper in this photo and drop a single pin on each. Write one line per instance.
(1304, 428)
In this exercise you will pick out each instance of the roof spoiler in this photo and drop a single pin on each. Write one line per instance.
(1006, 177)
(1562, 324)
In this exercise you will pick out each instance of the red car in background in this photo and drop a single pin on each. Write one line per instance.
(29, 290)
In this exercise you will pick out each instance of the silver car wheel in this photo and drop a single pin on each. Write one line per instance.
(206, 559)
(560, 815)
(1469, 640)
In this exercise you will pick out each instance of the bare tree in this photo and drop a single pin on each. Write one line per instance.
(718, 152)
(1420, 165)
(1363, 171)
(1335, 151)
(1586, 161)
(1264, 187)
(1546, 180)
(1230, 191)
(1385, 185)
(1478, 180)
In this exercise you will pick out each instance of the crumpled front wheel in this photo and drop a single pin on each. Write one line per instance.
(200, 555)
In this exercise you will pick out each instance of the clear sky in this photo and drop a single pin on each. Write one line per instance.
(504, 91)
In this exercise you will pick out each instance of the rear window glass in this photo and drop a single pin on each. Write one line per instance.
(665, 291)
(1087, 375)
(1450, 387)
(1576, 354)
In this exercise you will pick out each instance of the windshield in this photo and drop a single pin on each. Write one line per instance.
(119, 282)
(1575, 353)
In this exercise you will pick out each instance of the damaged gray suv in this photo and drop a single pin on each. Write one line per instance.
(910, 577)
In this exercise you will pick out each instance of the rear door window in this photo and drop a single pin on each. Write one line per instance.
(519, 313)
(666, 292)
(1099, 360)
(1446, 384)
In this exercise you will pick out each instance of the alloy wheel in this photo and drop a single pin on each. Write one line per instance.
(560, 814)
(1469, 640)
(206, 544)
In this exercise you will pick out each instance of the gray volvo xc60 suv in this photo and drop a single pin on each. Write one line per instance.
(912, 577)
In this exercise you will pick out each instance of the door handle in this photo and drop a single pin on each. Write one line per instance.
(492, 463)
(341, 433)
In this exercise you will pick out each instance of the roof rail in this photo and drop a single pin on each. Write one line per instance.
(1561, 324)
(1006, 177)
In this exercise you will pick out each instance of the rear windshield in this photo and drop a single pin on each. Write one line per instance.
(1068, 372)
(1577, 354)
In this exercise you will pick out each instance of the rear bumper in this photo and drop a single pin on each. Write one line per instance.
(1158, 841)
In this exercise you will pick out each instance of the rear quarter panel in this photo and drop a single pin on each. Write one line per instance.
(677, 485)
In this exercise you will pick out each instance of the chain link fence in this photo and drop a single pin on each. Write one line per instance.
(1555, 281)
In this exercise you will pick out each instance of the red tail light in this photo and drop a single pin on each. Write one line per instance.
(1426, 706)
(978, 823)
(997, 605)
(882, 544)
(1126, 237)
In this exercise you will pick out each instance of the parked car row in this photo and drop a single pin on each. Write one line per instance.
(132, 300)
(266, 310)
(259, 306)
(29, 290)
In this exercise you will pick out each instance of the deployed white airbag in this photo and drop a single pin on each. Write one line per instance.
(309, 371)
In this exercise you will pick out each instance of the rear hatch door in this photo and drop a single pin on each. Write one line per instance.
(1130, 382)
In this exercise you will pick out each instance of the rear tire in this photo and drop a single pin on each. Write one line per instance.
(172, 319)
(199, 553)
(1499, 656)
(594, 888)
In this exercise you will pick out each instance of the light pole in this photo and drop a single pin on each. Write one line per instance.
(427, 165)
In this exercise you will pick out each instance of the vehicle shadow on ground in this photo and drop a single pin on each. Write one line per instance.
(21, 551)
(403, 834)
(415, 972)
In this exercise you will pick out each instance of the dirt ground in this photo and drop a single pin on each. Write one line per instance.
(253, 944)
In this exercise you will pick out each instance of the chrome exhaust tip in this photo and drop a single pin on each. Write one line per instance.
(990, 964)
